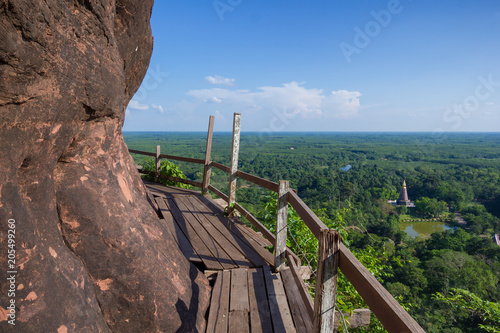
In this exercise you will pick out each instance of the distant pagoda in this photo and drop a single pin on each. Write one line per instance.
(403, 199)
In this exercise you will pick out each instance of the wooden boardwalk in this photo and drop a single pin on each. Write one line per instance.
(247, 296)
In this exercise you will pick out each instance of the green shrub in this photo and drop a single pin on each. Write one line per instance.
(167, 168)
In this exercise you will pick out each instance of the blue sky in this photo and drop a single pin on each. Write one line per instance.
(338, 65)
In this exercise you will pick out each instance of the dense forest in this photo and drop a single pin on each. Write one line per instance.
(447, 281)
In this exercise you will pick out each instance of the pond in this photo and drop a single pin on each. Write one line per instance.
(423, 229)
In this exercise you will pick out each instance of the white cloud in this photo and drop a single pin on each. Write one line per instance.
(218, 115)
(291, 97)
(217, 79)
(135, 105)
(158, 107)
(490, 103)
(215, 100)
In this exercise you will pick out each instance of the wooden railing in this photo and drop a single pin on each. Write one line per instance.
(332, 254)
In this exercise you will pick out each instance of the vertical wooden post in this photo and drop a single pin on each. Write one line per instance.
(281, 226)
(234, 161)
(326, 281)
(207, 170)
(157, 162)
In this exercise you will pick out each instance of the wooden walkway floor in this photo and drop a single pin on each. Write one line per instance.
(247, 296)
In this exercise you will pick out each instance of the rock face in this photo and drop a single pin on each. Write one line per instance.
(90, 256)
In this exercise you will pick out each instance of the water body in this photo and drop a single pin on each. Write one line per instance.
(423, 229)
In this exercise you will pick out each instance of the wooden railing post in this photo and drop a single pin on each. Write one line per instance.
(326, 281)
(281, 225)
(157, 162)
(207, 170)
(234, 162)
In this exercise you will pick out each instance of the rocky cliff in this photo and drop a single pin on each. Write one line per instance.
(89, 256)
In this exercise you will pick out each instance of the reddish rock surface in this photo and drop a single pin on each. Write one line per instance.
(90, 256)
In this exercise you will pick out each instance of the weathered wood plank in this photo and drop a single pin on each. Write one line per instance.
(133, 151)
(207, 169)
(235, 148)
(220, 237)
(174, 179)
(258, 181)
(248, 252)
(201, 249)
(281, 226)
(218, 193)
(217, 252)
(183, 159)
(306, 214)
(303, 323)
(280, 312)
(239, 290)
(222, 167)
(238, 322)
(219, 305)
(326, 281)
(176, 232)
(240, 232)
(304, 293)
(260, 319)
(390, 313)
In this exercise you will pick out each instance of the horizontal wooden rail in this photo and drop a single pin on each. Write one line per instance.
(221, 167)
(218, 192)
(258, 181)
(183, 159)
(133, 151)
(390, 313)
(174, 179)
(306, 214)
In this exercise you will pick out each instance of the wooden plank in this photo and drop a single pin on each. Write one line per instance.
(248, 252)
(168, 190)
(235, 148)
(326, 281)
(183, 159)
(176, 232)
(303, 323)
(303, 291)
(133, 151)
(258, 181)
(201, 249)
(218, 234)
(390, 313)
(238, 322)
(174, 179)
(207, 169)
(281, 226)
(280, 312)
(243, 227)
(217, 251)
(157, 162)
(219, 304)
(306, 214)
(238, 231)
(218, 193)
(239, 290)
(260, 318)
(221, 167)
(262, 229)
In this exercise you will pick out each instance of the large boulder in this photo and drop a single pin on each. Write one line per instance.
(90, 256)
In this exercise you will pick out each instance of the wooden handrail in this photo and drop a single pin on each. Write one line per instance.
(390, 313)
(306, 214)
(219, 166)
(258, 181)
(133, 151)
(183, 159)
